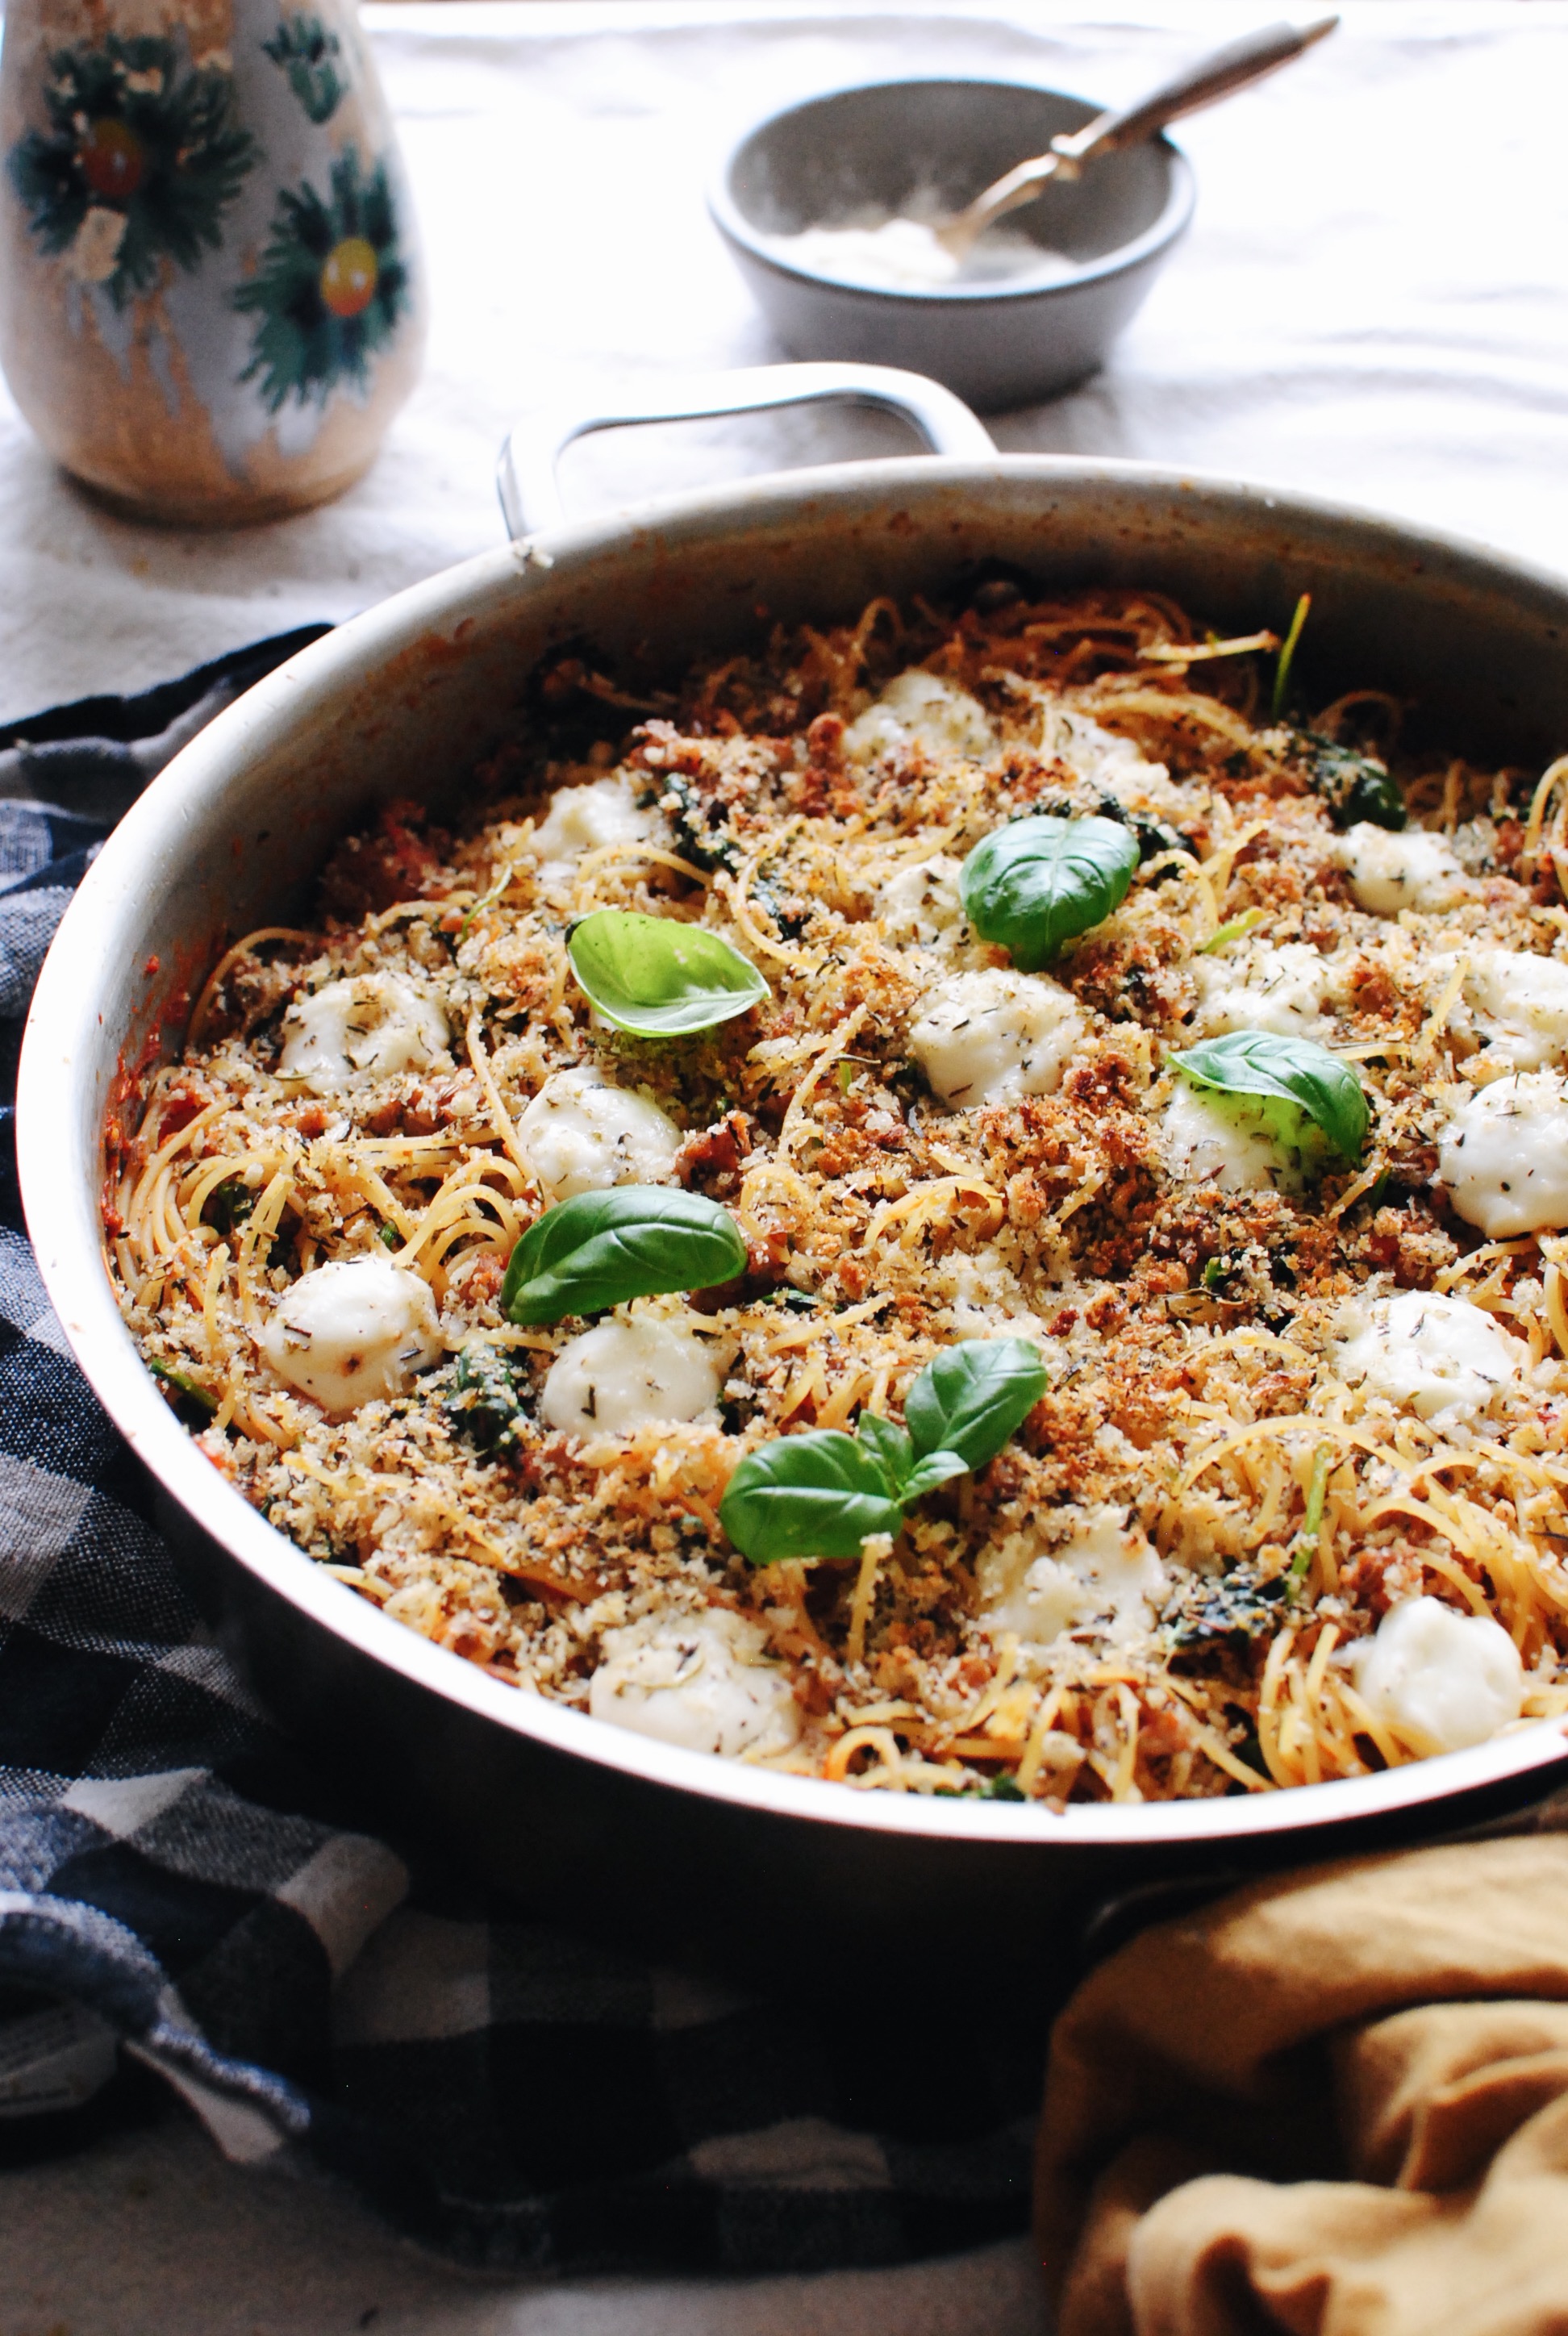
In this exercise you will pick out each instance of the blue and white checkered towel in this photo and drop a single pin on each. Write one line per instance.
(173, 1889)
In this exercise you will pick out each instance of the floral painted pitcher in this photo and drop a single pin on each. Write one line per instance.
(210, 304)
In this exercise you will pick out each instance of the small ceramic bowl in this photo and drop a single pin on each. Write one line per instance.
(887, 144)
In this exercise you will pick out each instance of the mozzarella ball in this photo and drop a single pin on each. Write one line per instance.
(580, 819)
(702, 1681)
(1442, 1356)
(1109, 1571)
(1286, 990)
(580, 1134)
(1409, 869)
(921, 709)
(1504, 1156)
(1520, 1004)
(1226, 1141)
(922, 903)
(1440, 1679)
(618, 1376)
(353, 1332)
(344, 1036)
(981, 1035)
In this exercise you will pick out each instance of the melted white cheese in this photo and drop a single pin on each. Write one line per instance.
(580, 1134)
(350, 1032)
(1224, 1141)
(701, 1682)
(993, 1033)
(353, 1331)
(921, 709)
(1519, 1003)
(921, 904)
(1442, 1356)
(1256, 986)
(581, 818)
(1409, 869)
(1441, 1679)
(1109, 1572)
(1504, 1156)
(620, 1375)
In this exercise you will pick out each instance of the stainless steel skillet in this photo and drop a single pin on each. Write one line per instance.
(585, 1820)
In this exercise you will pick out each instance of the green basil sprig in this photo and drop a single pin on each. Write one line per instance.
(1297, 1072)
(1035, 883)
(658, 978)
(822, 1493)
(600, 1249)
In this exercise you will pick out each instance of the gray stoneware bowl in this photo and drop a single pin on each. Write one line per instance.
(585, 1820)
(995, 345)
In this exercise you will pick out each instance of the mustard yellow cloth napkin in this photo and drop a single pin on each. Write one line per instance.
(1335, 2105)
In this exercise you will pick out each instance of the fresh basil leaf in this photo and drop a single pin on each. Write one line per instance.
(936, 1468)
(660, 978)
(820, 1494)
(892, 1447)
(972, 1398)
(1035, 883)
(1295, 1071)
(600, 1249)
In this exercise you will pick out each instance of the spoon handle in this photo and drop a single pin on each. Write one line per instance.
(1214, 76)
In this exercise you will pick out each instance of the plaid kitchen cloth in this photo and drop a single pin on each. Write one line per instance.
(174, 1891)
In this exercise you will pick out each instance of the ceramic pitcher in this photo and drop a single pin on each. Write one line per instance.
(210, 304)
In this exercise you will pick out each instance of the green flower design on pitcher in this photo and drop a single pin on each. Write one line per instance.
(142, 156)
(304, 49)
(331, 287)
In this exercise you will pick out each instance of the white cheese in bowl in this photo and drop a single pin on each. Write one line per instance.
(921, 709)
(982, 1036)
(1444, 1357)
(580, 1135)
(702, 1681)
(1288, 989)
(1108, 1570)
(353, 1331)
(1224, 1141)
(1502, 1157)
(922, 903)
(1441, 1679)
(582, 819)
(348, 1033)
(1519, 1005)
(620, 1375)
(1410, 869)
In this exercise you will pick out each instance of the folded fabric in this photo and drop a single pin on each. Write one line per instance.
(176, 1883)
(1335, 2105)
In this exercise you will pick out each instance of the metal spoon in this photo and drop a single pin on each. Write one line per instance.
(1214, 76)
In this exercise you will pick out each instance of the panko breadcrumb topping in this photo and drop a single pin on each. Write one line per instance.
(1292, 1505)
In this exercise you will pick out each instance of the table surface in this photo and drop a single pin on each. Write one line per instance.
(1371, 307)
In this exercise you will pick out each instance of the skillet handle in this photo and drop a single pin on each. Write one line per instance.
(525, 474)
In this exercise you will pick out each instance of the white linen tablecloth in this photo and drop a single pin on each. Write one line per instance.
(1373, 304)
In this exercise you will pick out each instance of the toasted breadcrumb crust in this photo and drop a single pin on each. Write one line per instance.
(1186, 1328)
